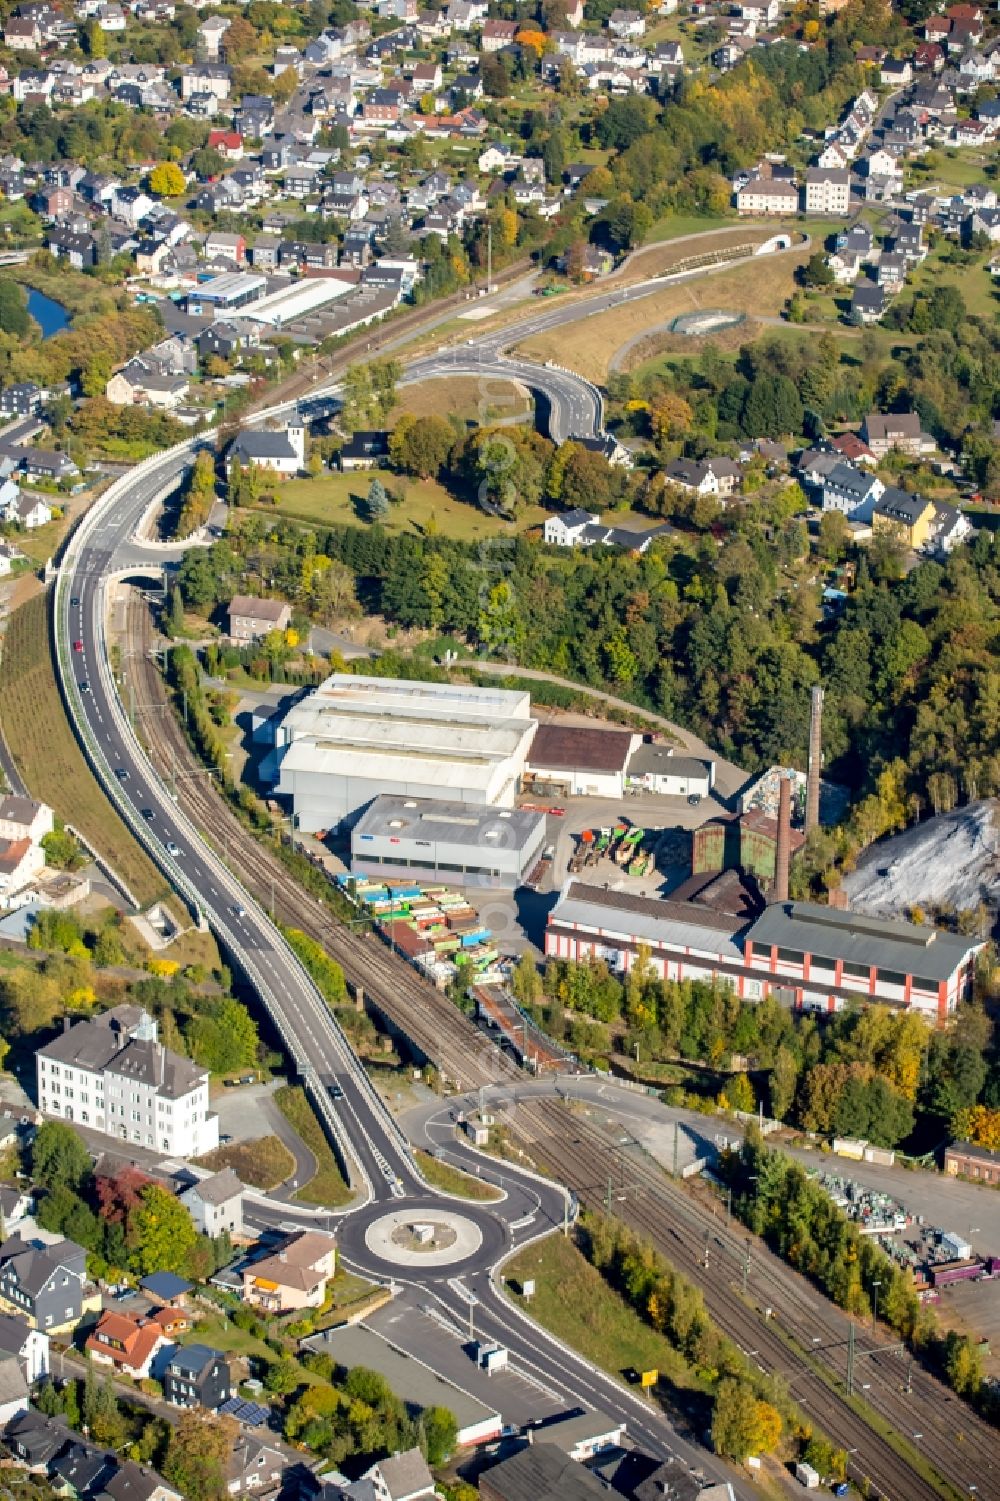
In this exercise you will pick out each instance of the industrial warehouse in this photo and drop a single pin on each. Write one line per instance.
(805, 955)
(354, 738)
(425, 839)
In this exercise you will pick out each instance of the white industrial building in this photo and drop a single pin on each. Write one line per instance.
(579, 760)
(654, 767)
(425, 839)
(113, 1075)
(355, 738)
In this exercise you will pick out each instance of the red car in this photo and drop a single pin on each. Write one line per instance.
(78, 646)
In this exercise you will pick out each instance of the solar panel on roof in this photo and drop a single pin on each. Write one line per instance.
(250, 1413)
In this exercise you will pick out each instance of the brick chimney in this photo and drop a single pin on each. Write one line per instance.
(781, 854)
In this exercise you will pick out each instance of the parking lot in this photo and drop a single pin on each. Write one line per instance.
(423, 1331)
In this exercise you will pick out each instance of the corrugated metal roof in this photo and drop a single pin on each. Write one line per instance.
(564, 747)
(928, 953)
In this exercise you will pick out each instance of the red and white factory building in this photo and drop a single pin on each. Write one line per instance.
(808, 956)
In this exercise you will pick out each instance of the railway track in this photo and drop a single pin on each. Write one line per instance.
(951, 1440)
(804, 1332)
(391, 985)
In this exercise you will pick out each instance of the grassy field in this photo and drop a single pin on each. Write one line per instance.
(263, 1163)
(473, 401)
(974, 282)
(453, 1181)
(673, 225)
(48, 757)
(573, 1301)
(328, 1186)
(339, 499)
(759, 287)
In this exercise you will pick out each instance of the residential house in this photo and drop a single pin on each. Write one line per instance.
(498, 34)
(949, 528)
(896, 73)
(128, 1345)
(30, 1347)
(228, 143)
(141, 383)
(696, 478)
(851, 491)
(211, 34)
(567, 528)
(627, 23)
(868, 302)
(251, 619)
(22, 399)
(884, 431)
(853, 449)
(906, 517)
(281, 453)
(81, 1470)
(34, 1440)
(363, 450)
(768, 195)
(132, 1482)
(294, 1276)
(401, 1477)
(198, 1376)
(22, 35)
(226, 247)
(216, 1203)
(254, 1468)
(891, 271)
(207, 78)
(45, 1284)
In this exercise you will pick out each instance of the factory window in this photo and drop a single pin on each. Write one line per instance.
(817, 961)
(790, 956)
(858, 971)
(458, 869)
(891, 977)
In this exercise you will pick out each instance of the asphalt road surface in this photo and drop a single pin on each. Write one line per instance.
(383, 1171)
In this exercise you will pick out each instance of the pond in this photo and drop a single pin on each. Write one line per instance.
(50, 316)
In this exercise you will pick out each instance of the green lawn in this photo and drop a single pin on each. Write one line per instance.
(328, 1186)
(452, 1180)
(974, 282)
(339, 499)
(221, 1333)
(573, 1301)
(955, 167)
(672, 226)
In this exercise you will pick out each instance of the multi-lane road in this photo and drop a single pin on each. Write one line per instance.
(377, 1156)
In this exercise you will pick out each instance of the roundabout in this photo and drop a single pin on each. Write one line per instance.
(435, 1236)
(421, 1235)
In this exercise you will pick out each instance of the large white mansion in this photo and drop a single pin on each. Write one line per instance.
(112, 1075)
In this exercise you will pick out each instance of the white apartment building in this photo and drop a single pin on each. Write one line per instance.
(828, 191)
(113, 1075)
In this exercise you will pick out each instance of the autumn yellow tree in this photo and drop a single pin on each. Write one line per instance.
(978, 1124)
(671, 416)
(167, 180)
